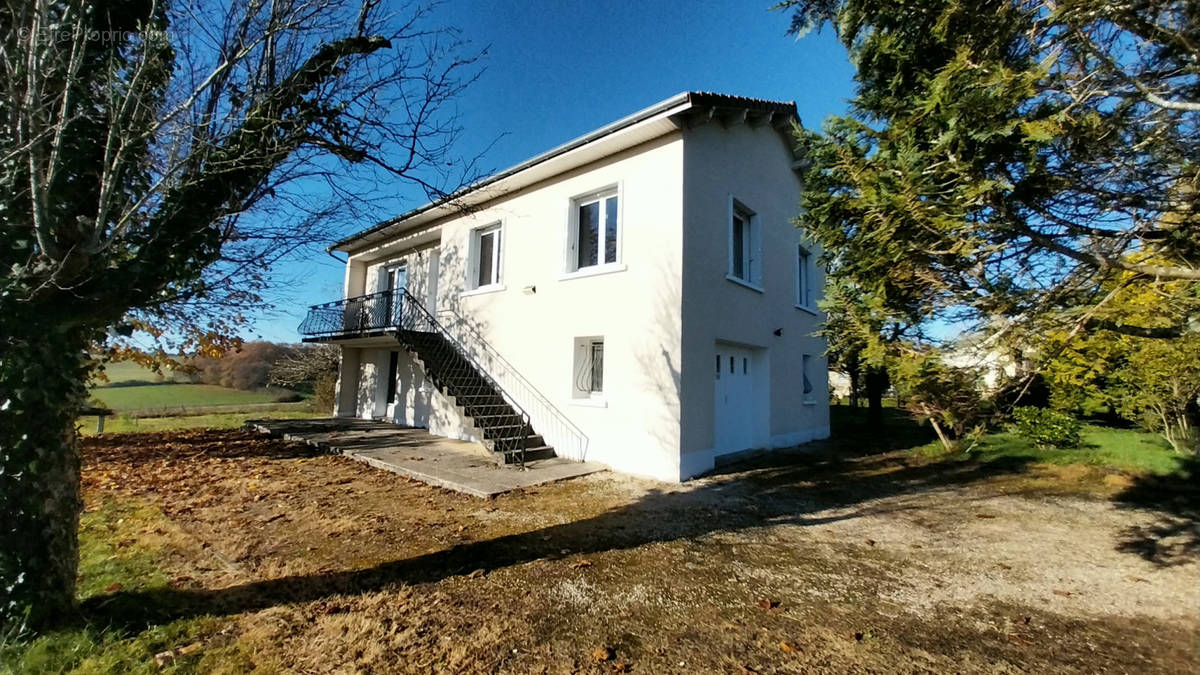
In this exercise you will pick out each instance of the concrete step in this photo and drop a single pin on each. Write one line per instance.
(531, 453)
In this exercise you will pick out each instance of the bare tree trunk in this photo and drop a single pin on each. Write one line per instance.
(41, 388)
(877, 384)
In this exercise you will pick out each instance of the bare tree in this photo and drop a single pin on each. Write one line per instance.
(157, 159)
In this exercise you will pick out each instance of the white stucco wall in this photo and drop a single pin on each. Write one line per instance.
(753, 166)
(534, 319)
(661, 310)
(420, 404)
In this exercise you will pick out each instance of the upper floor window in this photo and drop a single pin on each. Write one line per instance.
(805, 293)
(485, 256)
(745, 244)
(595, 230)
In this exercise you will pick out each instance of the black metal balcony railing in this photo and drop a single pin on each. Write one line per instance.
(354, 317)
(505, 425)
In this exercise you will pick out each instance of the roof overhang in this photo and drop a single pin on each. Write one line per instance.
(684, 110)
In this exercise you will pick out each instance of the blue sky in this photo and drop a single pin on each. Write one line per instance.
(557, 70)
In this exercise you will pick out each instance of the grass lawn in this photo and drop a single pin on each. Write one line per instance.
(127, 371)
(226, 420)
(1126, 450)
(121, 546)
(226, 551)
(171, 396)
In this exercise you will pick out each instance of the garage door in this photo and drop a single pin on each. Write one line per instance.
(736, 400)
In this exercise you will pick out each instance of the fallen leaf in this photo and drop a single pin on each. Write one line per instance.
(870, 542)
(113, 588)
(767, 603)
(747, 670)
(163, 658)
(602, 654)
(581, 564)
(190, 649)
(622, 668)
(1065, 594)
(787, 647)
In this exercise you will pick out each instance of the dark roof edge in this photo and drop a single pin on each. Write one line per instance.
(694, 98)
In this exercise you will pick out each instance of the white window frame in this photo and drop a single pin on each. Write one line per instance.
(582, 368)
(805, 276)
(476, 249)
(752, 268)
(571, 252)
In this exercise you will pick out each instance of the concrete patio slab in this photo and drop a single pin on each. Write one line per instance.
(415, 453)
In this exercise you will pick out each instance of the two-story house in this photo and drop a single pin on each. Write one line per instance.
(637, 297)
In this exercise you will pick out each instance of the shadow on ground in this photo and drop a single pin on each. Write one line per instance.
(1174, 537)
(826, 482)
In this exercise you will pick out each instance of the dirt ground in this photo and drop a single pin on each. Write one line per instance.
(814, 563)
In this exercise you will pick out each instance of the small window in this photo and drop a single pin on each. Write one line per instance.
(718, 366)
(588, 368)
(744, 245)
(745, 366)
(597, 383)
(595, 230)
(804, 274)
(806, 361)
(485, 256)
(731, 365)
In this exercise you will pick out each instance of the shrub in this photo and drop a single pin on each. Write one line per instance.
(1047, 428)
(288, 397)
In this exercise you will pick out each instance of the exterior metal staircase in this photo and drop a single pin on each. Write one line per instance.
(505, 427)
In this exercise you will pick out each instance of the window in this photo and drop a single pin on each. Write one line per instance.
(595, 230)
(804, 276)
(744, 245)
(485, 256)
(806, 362)
(589, 368)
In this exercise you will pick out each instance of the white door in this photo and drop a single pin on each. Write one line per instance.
(735, 400)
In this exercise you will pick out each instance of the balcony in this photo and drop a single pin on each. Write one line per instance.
(362, 316)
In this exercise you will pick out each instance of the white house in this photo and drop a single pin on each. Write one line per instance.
(637, 297)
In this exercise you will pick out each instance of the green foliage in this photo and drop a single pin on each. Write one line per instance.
(1159, 386)
(1047, 428)
(1151, 381)
(998, 163)
(948, 397)
(1129, 451)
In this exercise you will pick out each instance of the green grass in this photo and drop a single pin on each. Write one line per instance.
(170, 396)
(229, 420)
(126, 371)
(1126, 450)
(117, 553)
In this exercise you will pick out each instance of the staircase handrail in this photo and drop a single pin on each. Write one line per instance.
(493, 354)
(456, 345)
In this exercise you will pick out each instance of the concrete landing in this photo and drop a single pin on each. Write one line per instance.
(415, 453)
